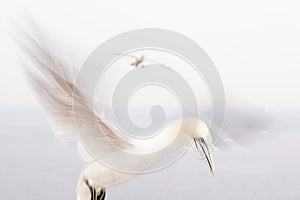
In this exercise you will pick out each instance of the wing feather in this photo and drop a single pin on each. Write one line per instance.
(58, 95)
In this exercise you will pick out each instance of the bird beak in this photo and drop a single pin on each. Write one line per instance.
(202, 147)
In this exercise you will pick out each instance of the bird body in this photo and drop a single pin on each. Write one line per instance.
(101, 176)
(70, 113)
(138, 61)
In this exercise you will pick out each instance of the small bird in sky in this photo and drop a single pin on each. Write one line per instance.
(138, 61)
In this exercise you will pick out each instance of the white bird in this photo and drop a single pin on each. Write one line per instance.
(55, 88)
(139, 60)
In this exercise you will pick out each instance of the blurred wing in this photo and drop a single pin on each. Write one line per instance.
(56, 92)
(136, 58)
(242, 127)
(128, 55)
(153, 61)
(132, 56)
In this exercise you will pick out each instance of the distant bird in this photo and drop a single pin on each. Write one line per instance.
(138, 61)
(55, 88)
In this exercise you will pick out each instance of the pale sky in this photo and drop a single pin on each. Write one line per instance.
(254, 44)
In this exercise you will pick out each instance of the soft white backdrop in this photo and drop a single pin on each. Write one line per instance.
(255, 46)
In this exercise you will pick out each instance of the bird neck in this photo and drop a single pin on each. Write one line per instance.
(173, 136)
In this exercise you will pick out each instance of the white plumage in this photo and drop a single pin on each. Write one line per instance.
(54, 85)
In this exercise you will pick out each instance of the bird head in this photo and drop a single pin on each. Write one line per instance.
(202, 140)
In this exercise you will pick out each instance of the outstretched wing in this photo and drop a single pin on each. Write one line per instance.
(136, 57)
(243, 127)
(128, 55)
(54, 86)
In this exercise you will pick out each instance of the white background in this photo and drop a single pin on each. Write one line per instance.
(255, 46)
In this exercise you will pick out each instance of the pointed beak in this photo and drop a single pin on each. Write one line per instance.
(202, 147)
